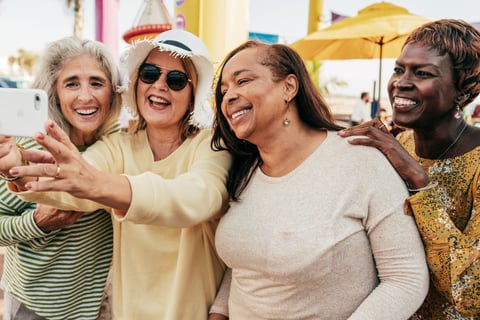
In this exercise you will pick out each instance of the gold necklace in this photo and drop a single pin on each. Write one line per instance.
(454, 141)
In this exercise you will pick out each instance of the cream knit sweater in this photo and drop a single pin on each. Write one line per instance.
(329, 240)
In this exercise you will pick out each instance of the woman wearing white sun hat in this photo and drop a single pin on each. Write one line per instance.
(163, 183)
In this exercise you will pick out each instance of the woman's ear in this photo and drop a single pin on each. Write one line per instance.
(291, 87)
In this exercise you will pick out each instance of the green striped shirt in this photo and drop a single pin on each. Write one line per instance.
(59, 275)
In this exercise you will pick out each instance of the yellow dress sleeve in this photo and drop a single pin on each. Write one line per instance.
(452, 255)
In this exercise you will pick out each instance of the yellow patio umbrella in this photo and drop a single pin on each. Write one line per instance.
(377, 31)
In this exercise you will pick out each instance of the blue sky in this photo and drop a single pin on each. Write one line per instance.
(29, 24)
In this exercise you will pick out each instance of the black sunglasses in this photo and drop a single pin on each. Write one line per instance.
(149, 73)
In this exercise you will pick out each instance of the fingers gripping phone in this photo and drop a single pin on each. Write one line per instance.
(23, 112)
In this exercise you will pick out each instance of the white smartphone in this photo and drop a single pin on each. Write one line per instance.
(23, 112)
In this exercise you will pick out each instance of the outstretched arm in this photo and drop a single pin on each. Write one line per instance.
(71, 173)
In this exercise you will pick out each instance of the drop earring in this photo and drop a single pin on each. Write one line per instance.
(286, 122)
(458, 113)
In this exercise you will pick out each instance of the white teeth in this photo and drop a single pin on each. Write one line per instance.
(158, 100)
(239, 113)
(86, 111)
(403, 101)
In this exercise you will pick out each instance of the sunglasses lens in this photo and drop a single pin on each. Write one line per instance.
(149, 73)
(177, 80)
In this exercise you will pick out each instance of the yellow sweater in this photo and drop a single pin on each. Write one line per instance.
(164, 264)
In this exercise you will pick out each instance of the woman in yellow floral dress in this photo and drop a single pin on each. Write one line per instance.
(436, 75)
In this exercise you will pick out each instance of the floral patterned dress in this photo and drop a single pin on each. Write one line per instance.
(448, 219)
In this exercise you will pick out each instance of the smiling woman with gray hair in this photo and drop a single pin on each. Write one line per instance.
(57, 262)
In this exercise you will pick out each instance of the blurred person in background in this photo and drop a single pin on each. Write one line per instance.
(361, 110)
(385, 118)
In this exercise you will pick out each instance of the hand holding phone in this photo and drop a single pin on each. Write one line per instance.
(23, 112)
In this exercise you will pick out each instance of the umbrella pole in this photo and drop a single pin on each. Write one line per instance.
(380, 71)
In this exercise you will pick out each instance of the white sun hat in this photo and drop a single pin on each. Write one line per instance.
(181, 44)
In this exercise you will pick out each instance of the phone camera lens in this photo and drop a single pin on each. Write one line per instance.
(37, 102)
